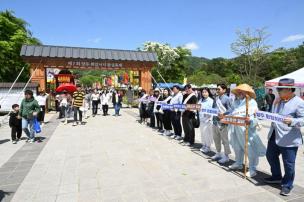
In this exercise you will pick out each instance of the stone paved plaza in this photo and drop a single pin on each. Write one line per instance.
(117, 159)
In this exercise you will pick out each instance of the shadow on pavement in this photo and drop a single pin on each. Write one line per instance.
(40, 139)
(4, 141)
(258, 180)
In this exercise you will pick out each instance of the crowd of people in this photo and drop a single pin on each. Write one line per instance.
(179, 123)
(283, 138)
(69, 105)
(78, 103)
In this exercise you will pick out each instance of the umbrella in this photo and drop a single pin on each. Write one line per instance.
(66, 87)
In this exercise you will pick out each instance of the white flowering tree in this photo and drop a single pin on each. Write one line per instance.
(166, 54)
(171, 61)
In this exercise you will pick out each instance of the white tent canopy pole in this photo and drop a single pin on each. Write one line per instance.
(12, 85)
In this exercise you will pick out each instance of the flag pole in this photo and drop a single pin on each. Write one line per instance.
(246, 139)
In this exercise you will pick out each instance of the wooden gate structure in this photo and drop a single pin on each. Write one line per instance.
(45, 56)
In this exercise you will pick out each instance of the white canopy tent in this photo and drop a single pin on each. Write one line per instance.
(297, 75)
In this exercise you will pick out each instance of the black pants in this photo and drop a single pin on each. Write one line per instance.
(16, 132)
(188, 129)
(105, 109)
(41, 114)
(152, 120)
(176, 122)
(76, 111)
(159, 120)
(167, 120)
(61, 112)
(94, 107)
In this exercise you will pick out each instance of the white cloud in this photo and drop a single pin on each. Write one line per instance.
(95, 40)
(191, 46)
(292, 38)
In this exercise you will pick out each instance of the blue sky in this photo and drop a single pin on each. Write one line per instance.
(206, 26)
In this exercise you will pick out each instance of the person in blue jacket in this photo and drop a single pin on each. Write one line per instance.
(285, 138)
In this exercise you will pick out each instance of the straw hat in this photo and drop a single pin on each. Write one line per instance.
(245, 88)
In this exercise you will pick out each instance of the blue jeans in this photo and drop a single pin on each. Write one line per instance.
(289, 157)
(117, 109)
(28, 128)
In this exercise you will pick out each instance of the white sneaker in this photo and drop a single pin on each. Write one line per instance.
(14, 142)
(224, 159)
(216, 157)
(187, 144)
(170, 134)
(74, 124)
(235, 166)
(32, 141)
(173, 137)
(251, 173)
(181, 141)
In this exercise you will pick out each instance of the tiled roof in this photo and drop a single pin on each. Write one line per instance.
(86, 53)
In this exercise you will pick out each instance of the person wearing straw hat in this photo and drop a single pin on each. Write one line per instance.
(237, 133)
(285, 138)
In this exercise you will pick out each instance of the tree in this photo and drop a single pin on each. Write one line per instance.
(172, 62)
(166, 54)
(251, 49)
(89, 80)
(13, 34)
(279, 62)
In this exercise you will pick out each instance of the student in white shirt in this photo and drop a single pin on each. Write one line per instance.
(42, 98)
(177, 98)
(105, 98)
(206, 124)
(95, 101)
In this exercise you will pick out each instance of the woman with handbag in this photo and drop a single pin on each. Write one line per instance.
(206, 102)
(28, 111)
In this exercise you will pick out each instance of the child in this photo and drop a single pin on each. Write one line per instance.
(15, 123)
